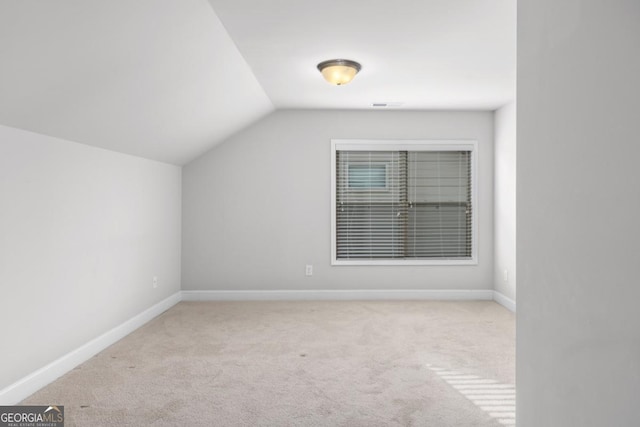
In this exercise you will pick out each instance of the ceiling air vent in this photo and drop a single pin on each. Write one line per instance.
(387, 104)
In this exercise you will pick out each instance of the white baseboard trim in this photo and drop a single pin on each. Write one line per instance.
(33, 382)
(508, 303)
(347, 295)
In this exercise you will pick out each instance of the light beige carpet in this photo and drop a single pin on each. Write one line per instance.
(296, 364)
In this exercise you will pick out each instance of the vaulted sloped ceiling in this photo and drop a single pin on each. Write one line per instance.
(169, 79)
(160, 79)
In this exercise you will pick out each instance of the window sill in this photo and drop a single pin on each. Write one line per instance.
(405, 262)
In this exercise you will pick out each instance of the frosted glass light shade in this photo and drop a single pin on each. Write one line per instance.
(339, 71)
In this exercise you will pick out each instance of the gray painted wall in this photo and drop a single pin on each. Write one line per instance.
(83, 231)
(256, 209)
(505, 200)
(578, 182)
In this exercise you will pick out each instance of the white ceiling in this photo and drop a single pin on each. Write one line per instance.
(426, 54)
(168, 79)
(155, 78)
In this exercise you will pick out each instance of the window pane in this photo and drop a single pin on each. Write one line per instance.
(439, 192)
(367, 176)
(370, 231)
(370, 213)
(439, 231)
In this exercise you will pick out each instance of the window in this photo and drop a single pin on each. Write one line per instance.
(403, 202)
(367, 175)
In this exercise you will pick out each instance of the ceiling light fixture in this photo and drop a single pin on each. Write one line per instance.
(339, 71)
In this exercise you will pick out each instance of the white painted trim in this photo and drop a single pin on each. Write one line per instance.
(404, 144)
(405, 262)
(352, 294)
(504, 301)
(33, 382)
(334, 253)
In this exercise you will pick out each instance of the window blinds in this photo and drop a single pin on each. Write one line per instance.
(403, 205)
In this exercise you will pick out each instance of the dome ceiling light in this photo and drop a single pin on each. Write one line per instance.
(339, 71)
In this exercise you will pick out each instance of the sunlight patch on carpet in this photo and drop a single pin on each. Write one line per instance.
(496, 399)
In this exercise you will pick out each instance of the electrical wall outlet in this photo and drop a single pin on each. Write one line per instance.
(308, 271)
(505, 275)
(155, 282)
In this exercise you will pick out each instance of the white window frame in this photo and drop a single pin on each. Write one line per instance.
(407, 145)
